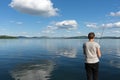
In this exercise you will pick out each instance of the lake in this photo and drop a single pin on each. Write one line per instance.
(55, 59)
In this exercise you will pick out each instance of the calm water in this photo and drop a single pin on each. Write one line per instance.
(54, 59)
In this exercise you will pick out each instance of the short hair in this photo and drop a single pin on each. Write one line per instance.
(91, 35)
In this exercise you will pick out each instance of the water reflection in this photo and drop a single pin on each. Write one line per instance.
(70, 53)
(118, 52)
(118, 47)
(33, 71)
(115, 63)
(61, 51)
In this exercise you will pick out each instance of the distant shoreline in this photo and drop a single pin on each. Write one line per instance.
(45, 37)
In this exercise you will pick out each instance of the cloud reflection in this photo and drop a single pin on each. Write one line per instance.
(118, 48)
(118, 52)
(70, 53)
(33, 71)
(115, 63)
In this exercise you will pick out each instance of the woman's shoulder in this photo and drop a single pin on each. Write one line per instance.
(97, 44)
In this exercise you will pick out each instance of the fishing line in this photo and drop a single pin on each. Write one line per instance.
(101, 35)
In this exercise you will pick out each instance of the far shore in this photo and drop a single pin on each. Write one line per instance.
(45, 37)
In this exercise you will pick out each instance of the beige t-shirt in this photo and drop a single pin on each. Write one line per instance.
(91, 52)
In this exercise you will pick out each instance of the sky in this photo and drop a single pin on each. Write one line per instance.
(59, 18)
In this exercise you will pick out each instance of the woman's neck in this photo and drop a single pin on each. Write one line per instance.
(91, 40)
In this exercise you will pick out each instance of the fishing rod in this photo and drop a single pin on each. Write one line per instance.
(101, 35)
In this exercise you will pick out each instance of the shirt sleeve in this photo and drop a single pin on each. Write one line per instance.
(97, 45)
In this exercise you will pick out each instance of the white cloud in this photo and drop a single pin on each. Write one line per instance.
(91, 25)
(103, 26)
(19, 23)
(67, 24)
(98, 34)
(16, 22)
(24, 33)
(68, 31)
(116, 32)
(112, 25)
(35, 7)
(78, 32)
(49, 29)
(46, 31)
(115, 13)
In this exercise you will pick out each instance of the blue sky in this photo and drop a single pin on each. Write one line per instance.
(59, 17)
